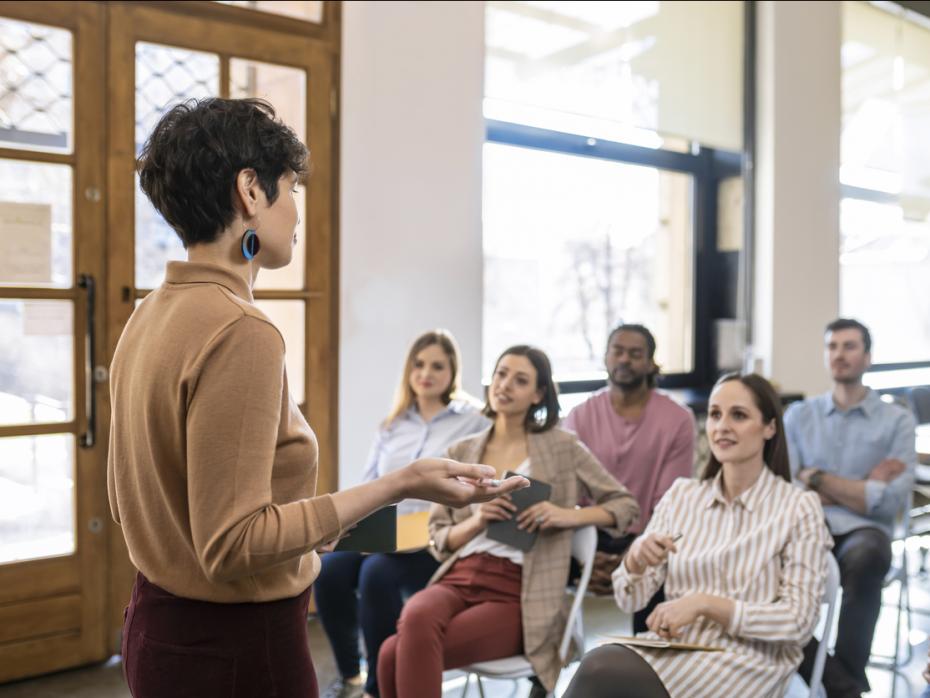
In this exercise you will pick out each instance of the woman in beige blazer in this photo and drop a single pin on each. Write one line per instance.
(489, 600)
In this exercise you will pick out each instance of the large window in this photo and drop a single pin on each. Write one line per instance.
(575, 244)
(610, 127)
(885, 211)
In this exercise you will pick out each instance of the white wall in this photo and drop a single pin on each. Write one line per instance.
(797, 168)
(410, 208)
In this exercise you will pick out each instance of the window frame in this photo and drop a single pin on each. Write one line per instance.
(849, 191)
(707, 167)
(918, 13)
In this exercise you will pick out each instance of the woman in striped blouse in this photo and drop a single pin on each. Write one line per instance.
(742, 554)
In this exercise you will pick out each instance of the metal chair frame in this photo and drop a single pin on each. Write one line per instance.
(584, 545)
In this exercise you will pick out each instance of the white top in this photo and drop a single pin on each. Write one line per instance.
(766, 550)
(482, 544)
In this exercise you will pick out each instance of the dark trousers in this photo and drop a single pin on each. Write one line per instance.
(366, 591)
(864, 557)
(615, 671)
(184, 648)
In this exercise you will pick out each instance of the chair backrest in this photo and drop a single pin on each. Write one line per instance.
(919, 397)
(831, 591)
(584, 545)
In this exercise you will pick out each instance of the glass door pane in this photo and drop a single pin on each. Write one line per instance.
(309, 10)
(36, 102)
(165, 76)
(290, 318)
(37, 333)
(35, 224)
(285, 89)
(36, 497)
(36, 362)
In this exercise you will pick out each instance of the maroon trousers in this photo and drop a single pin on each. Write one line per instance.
(470, 615)
(182, 648)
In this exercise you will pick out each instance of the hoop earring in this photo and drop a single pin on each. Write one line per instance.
(250, 244)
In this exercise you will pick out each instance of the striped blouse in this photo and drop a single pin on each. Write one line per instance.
(766, 550)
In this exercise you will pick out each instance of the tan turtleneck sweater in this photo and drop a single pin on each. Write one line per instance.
(212, 468)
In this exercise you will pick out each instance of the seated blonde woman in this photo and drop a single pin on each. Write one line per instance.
(746, 575)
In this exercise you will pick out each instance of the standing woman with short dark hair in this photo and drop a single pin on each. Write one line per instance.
(212, 468)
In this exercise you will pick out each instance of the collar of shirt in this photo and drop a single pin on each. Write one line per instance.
(454, 407)
(204, 273)
(867, 405)
(748, 499)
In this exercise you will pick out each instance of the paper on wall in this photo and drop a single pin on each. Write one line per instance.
(47, 318)
(25, 243)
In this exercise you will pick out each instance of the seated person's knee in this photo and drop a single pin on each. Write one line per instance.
(869, 557)
(600, 662)
(418, 612)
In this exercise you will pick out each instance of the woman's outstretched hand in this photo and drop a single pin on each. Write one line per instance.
(454, 484)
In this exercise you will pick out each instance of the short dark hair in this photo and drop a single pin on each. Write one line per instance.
(844, 323)
(650, 345)
(545, 414)
(775, 452)
(189, 164)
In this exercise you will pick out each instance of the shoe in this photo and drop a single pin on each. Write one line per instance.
(538, 690)
(340, 688)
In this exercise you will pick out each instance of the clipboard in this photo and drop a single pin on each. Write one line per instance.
(507, 531)
(376, 533)
(649, 643)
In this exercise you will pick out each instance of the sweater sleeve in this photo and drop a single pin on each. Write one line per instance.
(233, 415)
(111, 480)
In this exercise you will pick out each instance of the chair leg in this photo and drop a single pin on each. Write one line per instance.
(908, 650)
(898, 674)
(480, 686)
(465, 687)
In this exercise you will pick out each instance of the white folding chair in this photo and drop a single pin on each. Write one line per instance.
(830, 593)
(584, 544)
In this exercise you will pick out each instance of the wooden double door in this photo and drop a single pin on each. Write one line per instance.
(81, 85)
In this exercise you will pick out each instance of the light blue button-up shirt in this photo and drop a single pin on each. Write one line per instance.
(850, 443)
(410, 437)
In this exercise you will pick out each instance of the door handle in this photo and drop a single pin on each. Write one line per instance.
(89, 437)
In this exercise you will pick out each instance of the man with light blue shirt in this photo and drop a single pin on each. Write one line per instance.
(858, 453)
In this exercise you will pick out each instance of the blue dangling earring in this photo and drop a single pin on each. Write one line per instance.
(250, 244)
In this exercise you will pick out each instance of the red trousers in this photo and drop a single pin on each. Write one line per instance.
(470, 615)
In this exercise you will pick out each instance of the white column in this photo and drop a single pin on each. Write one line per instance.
(410, 199)
(796, 285)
